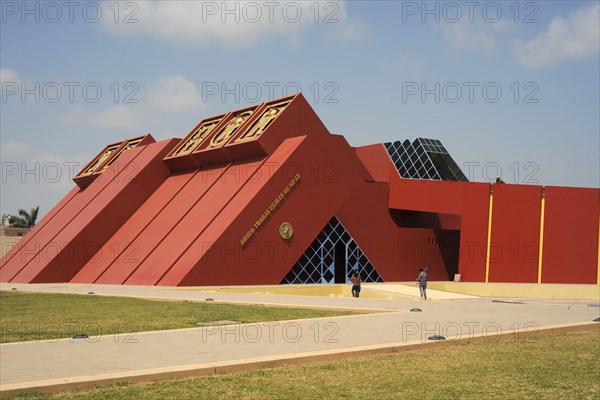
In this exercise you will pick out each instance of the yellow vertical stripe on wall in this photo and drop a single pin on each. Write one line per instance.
(489, 238)
(598, 275)
(541, 241)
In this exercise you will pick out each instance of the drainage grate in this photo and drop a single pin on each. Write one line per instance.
(436, 337)
(218, 323)
(81, 336)
(507, 302)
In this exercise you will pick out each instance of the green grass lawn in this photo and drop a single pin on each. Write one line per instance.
(42, 316)
(562, 366)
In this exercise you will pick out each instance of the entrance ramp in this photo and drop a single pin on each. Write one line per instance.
(412, 290)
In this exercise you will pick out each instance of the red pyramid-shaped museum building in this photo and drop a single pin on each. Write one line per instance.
(266, 195)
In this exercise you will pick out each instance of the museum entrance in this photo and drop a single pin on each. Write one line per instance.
(340, 263)
(330, 258)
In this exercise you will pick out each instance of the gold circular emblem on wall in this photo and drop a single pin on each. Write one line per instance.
(285, 230)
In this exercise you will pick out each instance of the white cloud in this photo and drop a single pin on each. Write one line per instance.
(466, 35)
(352, 31)
(11, 85)
(114, 117)
(347, 28)
(170, 95)
(572, 38)
(479, 35)
(121, 115)
(233, 23)
(10, 75)
(175, 94)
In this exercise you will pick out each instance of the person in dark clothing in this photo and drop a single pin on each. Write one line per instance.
(356, 281)
(422, 280)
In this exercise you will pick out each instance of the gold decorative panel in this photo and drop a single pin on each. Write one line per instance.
(261, 124)
(100, 160)
(202, 132)
(129, 145)
(229, 130)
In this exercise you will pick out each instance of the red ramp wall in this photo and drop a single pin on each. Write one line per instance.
(124, 246)
(79, 240)
(42, 246)
(158, 263)
(154, 238)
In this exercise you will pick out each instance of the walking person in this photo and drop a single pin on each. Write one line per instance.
(356, 281)
(422, 281)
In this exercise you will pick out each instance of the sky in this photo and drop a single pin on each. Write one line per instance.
(510, 88)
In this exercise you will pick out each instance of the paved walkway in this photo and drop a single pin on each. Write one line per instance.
(67, 363)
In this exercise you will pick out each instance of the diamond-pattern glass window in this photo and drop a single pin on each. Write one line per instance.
(317, 264)
(424, 159)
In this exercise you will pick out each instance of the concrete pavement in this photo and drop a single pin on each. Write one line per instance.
(391, 326)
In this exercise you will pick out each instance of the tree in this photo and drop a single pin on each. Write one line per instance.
(25, 219)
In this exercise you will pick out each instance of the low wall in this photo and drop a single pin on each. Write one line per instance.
(7, 242)
(548, 290)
